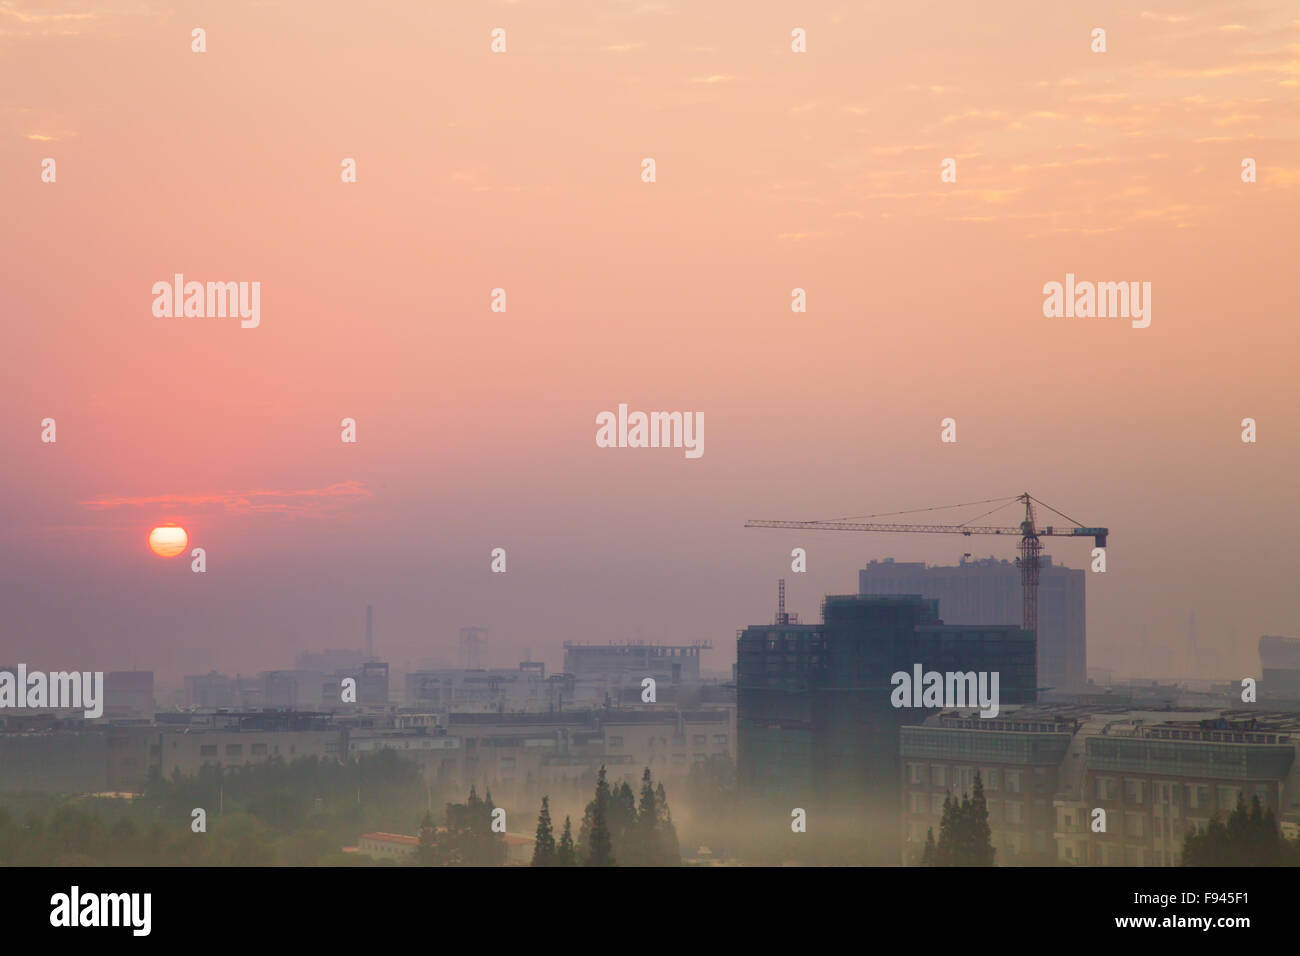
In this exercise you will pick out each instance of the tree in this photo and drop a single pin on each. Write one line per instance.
(622, 823)
(640, 847)
(980, 836)
(928, 855)
(544, 847)
(948, 824)
(965, 838)
(564, 855)
(1249, 838)
(467, 839)
(600, 849)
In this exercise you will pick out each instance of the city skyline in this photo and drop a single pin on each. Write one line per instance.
(477, 429)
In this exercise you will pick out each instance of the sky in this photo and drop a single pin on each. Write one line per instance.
(522, 170)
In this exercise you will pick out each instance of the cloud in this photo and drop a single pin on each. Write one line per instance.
(18, 23)
(41, 18)
(309, 501)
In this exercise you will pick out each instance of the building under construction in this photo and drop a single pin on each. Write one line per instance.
(990, 591)
(816, 721)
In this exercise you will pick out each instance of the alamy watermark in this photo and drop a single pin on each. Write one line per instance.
(1100, 300)
(215, 300)
(951, 689)
(75, 908)
(74, 690)
(651, 430)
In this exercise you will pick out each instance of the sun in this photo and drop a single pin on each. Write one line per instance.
(168, 541)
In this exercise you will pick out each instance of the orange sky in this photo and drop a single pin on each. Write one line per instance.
(521, 170)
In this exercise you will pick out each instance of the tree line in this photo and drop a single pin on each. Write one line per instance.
(965, 838)
(615, 830)
(1247, 838)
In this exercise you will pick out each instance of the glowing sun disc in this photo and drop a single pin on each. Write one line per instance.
(169, 541)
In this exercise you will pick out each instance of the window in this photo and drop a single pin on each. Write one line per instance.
(234, 750)
(916, 773)
(207, 750)
(1134, 791)
(679, 758)
(989, 777)
(259, 749)
(699, 758)
(697, 740)
(917, 803)
(1105, 788)
(719, 738)
(616, 741)
(1014, 811)
(1227, 797)
(1198, 796)
(1133, 824)
(1012, 781)
(937, 776)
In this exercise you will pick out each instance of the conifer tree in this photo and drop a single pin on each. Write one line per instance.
(928, 855)
(965, 838)
(645, 843)
(622, 821)
(981, 836)
(564, 855)
(544, 847)
(600, 850)
(943, 854)
(1249, 838)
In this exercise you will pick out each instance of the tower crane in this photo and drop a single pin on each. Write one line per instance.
(1029, 532)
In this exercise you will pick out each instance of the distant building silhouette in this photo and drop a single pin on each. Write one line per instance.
(989, 591)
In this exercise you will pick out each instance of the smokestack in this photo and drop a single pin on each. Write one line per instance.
(370, 633)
